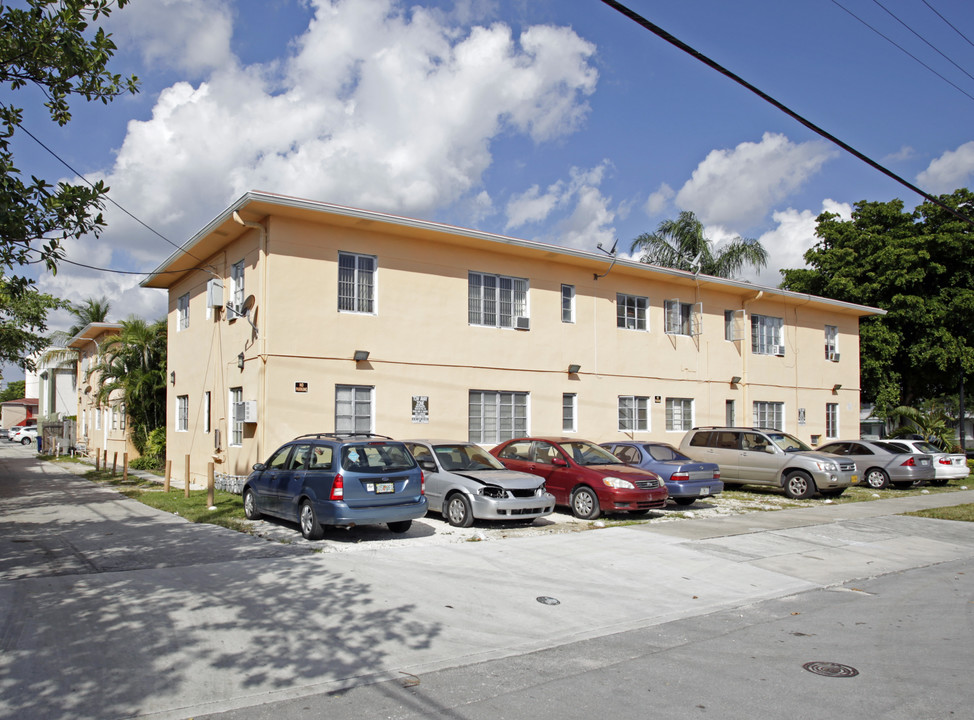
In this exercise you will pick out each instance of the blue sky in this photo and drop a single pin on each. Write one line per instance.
(553, 120)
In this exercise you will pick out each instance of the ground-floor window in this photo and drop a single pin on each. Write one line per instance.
(769, 415)
(236, 425)
(495, 416)
(730, 413)
(569, 404)
(679, 413)
(831, 420)
(633, 413)
(354, 409)
(182, 413)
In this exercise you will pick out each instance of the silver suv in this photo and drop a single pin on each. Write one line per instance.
(764, 456)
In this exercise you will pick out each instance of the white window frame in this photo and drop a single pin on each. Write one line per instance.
(121, 416)
(730, 413)
(567, 303)
(354, 408)
(97, 413)
(682, 318)
(237, 289)
(236, 426)
(182, 312)
(634, 413)
(632, 312)
(496, 415)
(763, 410)
(207, 411)
(496, 300)
(679, 414)
(182, 413)
(831, 342)
(569, 412)
(832, 420)
(767, 336)
(357, 276)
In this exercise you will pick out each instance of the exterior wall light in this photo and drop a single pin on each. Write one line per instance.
(172, 377)
(360, 355)
(240, 361)
(836, 388)
(736, 379)
(573, 369)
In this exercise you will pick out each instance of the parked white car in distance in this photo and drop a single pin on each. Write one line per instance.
(948, 466)
(25, 435)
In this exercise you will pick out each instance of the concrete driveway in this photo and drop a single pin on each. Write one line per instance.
(109, 609)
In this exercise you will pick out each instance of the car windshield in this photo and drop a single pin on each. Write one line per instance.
(466, 457)
(788, 443)
(585, 453)
(664, 453)
(377, 457)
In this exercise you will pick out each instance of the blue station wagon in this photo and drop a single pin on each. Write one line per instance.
(338, 480)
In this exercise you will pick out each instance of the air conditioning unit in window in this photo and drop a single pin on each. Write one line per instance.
(214, 293)
(779, 350)
(522, 323)
(245, 411)
(834, 356)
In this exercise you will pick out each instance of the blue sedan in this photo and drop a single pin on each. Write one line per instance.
(686, 480)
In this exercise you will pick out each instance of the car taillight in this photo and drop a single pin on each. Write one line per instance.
(716, 474)
(337, 488)
(680, 477)
(422, 483)
(944, 461)
(909, 463)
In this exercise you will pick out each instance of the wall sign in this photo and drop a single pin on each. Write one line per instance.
(421, 409)
(300, 387)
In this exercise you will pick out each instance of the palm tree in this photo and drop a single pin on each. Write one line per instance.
(90, 311)
(134, 361)
(931, 423)
(681, 244)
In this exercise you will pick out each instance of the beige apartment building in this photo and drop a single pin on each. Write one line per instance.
(291, 316)
(102, 426)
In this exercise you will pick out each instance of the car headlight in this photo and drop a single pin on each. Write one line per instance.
(618, 484)
(827, 466)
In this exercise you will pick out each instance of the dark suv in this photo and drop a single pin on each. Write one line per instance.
(338, 480)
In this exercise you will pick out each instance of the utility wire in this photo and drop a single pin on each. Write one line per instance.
(902, 49)
(948, 22)
(664, 35)
(931, 45)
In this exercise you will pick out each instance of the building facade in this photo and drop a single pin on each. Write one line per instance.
(289, 316)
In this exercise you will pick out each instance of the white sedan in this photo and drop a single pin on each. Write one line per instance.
(949, 466)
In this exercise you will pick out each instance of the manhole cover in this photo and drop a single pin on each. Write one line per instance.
(545, 600)
(830, 669)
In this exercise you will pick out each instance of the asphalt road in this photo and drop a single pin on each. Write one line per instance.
(109, 609)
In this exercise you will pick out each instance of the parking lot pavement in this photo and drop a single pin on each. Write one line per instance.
(155, 617)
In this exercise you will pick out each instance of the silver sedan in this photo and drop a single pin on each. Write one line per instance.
(882, 465)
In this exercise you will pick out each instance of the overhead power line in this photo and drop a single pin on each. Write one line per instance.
(664, 35)
(949, 24)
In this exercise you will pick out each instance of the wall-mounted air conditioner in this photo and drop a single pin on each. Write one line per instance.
(779, 350)
(245, 411)
(834, 356)
(522, 323)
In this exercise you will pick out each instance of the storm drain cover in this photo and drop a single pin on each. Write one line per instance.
(545, 600)
(830, 669)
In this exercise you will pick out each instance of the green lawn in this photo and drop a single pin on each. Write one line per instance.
(964, 513)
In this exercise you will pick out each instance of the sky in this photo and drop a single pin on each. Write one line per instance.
(560, 121)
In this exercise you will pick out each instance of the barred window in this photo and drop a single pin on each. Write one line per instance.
(679, 413)
(831, 420)
(496, 300)
(766, 335)
(769, 415)
(354, 408)
(356, 283)
(633, 413)
(495, 416)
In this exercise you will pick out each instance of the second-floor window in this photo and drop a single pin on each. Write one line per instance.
(568, 303)
(631, 311)
(356, 283)
(182, 312)
(766, 335)
(680, 318)
(236, 289)
(832, 343)
(496, 300)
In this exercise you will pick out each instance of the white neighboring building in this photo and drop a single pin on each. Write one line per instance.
(54, 386)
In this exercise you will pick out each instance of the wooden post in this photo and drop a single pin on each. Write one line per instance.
(165, 485)
(125, 467)
(210, 484)
(104, 460)
(186, 494)
(97, 461)
(114, 462)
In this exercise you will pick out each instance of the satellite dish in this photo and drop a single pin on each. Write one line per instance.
(248, 305)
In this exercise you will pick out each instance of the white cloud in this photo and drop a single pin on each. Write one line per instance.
(904, 153)
(950, 171)
(589, 223)
(739, 187)
(657, 201)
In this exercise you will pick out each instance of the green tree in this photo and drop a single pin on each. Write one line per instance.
(14, 391)
(134, 362)
(681, 244)
(931, 422)
(23, 322)
(919, 267)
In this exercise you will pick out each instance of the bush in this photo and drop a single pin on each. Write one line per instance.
(146, 463)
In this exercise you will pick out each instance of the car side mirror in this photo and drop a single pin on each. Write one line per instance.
(559, 462)
(427, 465)
(259, 467)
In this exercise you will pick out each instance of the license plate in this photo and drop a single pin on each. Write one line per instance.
(704, 491)
(385, 487)
(924, 462)
(855, 479)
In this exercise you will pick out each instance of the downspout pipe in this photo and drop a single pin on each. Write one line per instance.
(745, 351)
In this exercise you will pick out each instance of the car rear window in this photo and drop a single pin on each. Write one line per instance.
(377, 457)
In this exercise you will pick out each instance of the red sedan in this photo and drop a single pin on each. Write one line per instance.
(587, 478)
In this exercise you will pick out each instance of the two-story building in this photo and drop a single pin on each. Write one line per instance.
(291, 316)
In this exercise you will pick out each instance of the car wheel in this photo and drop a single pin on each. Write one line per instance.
(585, 504)
(458, 512)
(799, 486)
(831, 493)
(684, 501)
(25, 441)
(877, 479)
(310, 527)
(250, 505)
(401, 526)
